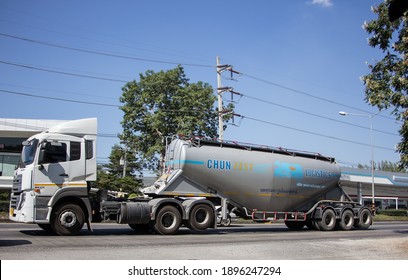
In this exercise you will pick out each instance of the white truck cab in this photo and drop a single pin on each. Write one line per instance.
(51, 184)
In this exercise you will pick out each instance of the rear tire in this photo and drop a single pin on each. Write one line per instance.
(328, 221)
(168, 220)
(67, 219)
(347, 220)
(365, 219)
(201, 217)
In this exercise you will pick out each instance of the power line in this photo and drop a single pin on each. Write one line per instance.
(313, 114)
(312, 133)
(58, 99)
(98, 52)
(309, 94)
(59, 91)
(61, 72)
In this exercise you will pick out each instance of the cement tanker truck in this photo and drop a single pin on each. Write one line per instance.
(52, 186)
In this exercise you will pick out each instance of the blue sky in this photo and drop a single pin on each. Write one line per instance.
(301, 62)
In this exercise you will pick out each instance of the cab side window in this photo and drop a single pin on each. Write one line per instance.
(75, 151)
(55, 153)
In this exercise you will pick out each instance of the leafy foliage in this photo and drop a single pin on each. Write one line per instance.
(385, 165)
(110, 176)
(387, 84)
(163, 104)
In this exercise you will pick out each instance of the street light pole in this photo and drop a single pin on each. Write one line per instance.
(372, 151)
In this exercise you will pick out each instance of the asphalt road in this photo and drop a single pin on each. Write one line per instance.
(384, 240)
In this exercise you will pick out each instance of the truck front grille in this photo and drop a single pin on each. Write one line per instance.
(17, 184)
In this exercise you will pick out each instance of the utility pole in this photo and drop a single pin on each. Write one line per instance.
(220, 91)
(220, 106)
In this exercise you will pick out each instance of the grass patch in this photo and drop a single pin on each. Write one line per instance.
(382, 217)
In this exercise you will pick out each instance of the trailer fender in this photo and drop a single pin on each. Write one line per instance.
(318, 212)
(190, 203)
(157, 203)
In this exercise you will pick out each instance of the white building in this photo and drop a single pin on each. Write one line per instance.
(12, 133)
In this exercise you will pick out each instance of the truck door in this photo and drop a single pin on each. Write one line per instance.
(52, 169)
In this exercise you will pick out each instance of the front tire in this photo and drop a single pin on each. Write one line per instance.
(67, 219)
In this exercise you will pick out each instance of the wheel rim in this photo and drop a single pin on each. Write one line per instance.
(348, 218)
(201, 216)
(329, 221)
(68, 219)
(168, 220)
(365, 217)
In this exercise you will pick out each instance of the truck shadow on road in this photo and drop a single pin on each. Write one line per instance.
(182, 231)
(234, 229)
(16, 242)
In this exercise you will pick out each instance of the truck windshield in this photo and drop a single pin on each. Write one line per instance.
(28, 153)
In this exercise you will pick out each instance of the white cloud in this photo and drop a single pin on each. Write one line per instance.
(324, 3)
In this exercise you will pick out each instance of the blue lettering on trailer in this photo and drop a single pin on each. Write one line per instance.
(288, 170)
(315, 173)
(219, 164)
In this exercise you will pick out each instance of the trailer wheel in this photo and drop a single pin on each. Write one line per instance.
(168, 220)
(365, 219)
(68, 219)
(328, 221)
(347, 220)
(295, 225)
(201, 217)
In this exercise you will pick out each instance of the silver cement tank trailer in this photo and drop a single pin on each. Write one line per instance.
(260, 183)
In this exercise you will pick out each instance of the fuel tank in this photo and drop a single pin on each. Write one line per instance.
(255, 177)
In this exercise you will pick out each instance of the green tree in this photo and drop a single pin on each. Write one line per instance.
(162, 104)
(384, 165)
(117, 160)
(387, 84)
(110, 176)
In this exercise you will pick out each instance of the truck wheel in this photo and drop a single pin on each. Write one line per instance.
(68, 219)
(168, 220)
(364, 219)
(347, 220)
(328, 221)
(201, 217)
(295, 225)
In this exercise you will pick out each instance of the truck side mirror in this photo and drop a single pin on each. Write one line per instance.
(41, 154)
(41, 158)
